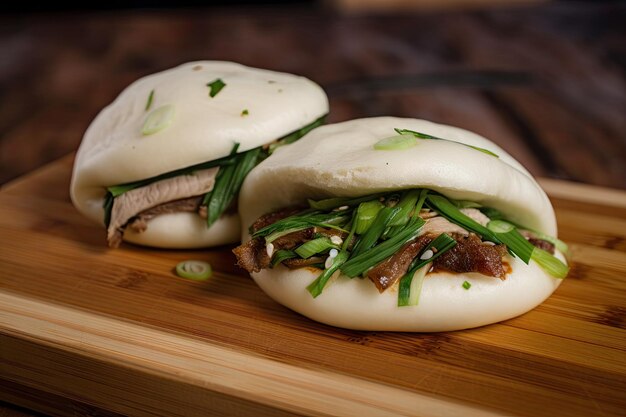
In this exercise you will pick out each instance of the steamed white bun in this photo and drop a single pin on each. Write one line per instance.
(340, 160)
(254, 108)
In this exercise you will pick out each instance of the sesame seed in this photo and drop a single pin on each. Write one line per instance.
(329, 262)
(269, 248)
(343, 208)
(336, 240)
(427, 255)
(333, 253)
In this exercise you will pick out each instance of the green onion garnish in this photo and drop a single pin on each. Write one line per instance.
(294, 136)
(409, 289)
(448, 210)
(366, 214)
(494, 214)
(558, 243)
(282, 255)
(357, 265)
(227, 184)
(244, 112)
(336, 202)
(394, 143)
(158, 120)
(508, 234)
(150, 98)
(467, 285)
(425, 136)
(375, 230)
(525, 250)
(317, 286)
(549, 263)
(302, 221)
(215, 86)
(466, 204)
(407, 205)
(315, 246)
(440, 245)
(196, 270)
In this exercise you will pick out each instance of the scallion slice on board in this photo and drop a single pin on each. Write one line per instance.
(192, 269)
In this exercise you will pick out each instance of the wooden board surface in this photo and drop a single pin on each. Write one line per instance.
(116, 330)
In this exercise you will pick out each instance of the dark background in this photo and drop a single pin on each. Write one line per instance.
(545, 80)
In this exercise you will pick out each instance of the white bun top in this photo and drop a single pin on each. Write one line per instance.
(254, 108)
(340, 160)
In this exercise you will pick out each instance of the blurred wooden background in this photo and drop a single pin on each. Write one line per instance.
(546, 81)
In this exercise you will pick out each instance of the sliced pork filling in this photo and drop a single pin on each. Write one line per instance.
(136, 207)
(470, 254)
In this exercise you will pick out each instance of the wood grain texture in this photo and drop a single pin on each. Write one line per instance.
(116, 330)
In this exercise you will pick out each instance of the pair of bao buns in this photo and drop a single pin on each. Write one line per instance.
(336, 160)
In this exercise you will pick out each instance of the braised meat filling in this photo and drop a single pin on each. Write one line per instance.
(397, 234)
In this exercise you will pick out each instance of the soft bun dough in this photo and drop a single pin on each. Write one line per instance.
(190, 231)
(339, 160)
(443, 304)
(114, 151)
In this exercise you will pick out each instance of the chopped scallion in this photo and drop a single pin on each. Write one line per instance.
(196, 270)
(315, 246)
(375, 230)
(215, 87)
(426, 136)
(358, 264)
(227, 184)
(294, 136)
(406, 205)
(525, 250)
(441, 244)
(394, 143)
(549, 263)
(409, 289)
(336, 202)
(317, 286)
(282, 255)
(508, 234)
(158, 120)
(452, 213)
(150, 99)
(366, 214)
(467, 285)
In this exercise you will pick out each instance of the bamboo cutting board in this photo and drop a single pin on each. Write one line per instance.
(85, 328)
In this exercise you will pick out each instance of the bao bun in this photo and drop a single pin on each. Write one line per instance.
(339, 160)
(255, 107)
